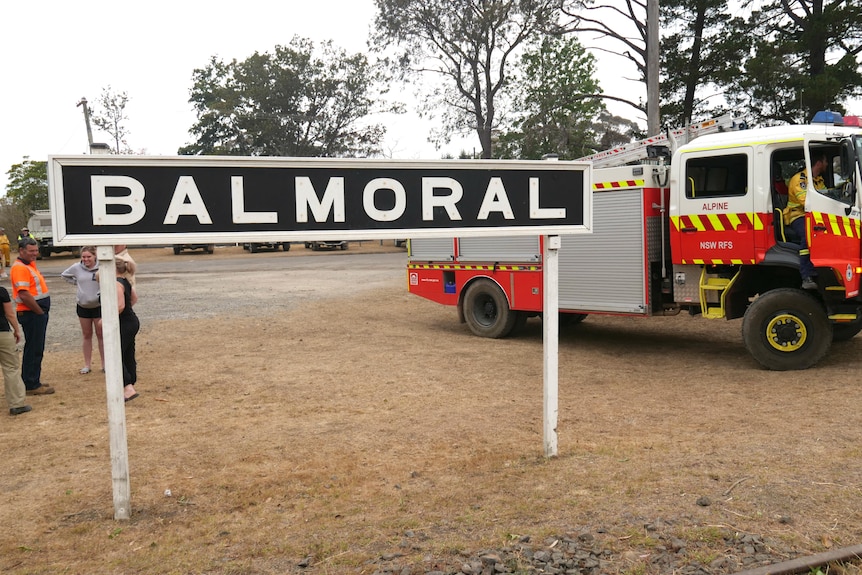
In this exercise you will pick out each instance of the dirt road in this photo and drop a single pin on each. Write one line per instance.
(231, 282)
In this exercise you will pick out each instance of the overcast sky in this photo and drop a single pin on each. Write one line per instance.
(55, 52)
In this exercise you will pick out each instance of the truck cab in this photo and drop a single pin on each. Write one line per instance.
(728, 236)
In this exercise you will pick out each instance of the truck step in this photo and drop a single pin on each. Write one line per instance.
(717, 284)
(713, 313)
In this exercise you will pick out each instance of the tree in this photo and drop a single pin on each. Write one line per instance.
(291, 102)
(109, 116)
(613, 131)
(806, 57)
(466, 47)
(12, 218)
(624, 23)
(28, 185)
(703, 52)
(554, 90)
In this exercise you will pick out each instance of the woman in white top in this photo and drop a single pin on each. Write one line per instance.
(84, 275)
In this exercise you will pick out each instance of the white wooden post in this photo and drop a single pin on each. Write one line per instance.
(551, 339)
(114, 383)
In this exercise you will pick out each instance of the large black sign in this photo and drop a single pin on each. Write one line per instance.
(133, 199)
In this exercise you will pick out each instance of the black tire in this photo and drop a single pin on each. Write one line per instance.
(210, 249)
(344, 246)
(286, 246)
(253, 248)
(307, 245)
(486, 310)
(177, 251)
(786, 329)
(847, 331)
(315, 246)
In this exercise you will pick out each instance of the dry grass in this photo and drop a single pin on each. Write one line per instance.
(332, 430)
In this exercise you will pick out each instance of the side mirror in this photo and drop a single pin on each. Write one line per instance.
(848, 159)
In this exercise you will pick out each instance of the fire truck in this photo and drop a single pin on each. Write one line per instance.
(687, 221)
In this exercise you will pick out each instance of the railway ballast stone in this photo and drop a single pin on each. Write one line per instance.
(600, 553)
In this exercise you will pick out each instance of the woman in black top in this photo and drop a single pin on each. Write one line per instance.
(129, 326)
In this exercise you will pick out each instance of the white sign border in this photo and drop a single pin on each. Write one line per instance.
(57, 199)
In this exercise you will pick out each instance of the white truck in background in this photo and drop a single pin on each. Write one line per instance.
(39, 225)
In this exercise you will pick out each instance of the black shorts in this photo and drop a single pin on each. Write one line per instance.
(90, 312)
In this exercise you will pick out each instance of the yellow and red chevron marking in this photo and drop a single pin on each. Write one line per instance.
(719, 222)
(717, 262)
(838, 225)
(618, 185)
(499, 268)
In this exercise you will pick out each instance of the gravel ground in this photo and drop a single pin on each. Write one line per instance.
(200, 286)
(594, 553)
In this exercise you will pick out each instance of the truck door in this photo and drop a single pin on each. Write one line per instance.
(712, 209)
(833, 214)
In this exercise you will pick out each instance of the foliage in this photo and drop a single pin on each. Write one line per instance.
(295, 101)
(806, 57)
(555, 95)
(12, 217)
(28, 185)
(787, 60)
(613, 131)
(109, 116)
(703, 52)
(467, 47)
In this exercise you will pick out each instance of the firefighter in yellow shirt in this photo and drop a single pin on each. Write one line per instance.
(5, 260)
(794, 213)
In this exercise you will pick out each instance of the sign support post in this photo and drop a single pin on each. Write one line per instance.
(114, 383)
(551, 338)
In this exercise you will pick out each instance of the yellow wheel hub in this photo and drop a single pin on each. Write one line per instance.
(785, 332)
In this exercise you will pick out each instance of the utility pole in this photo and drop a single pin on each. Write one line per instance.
(83, 103)
(652, 68)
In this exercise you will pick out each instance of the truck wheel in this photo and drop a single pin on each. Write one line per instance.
(344, 246)
(177, 251)
(315, 246)
(286, 246)
(847, 331)
(210, 249)
(253, 248)
(486, 310)
(786, 329)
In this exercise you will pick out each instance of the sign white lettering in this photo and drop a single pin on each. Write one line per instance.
(187, 201)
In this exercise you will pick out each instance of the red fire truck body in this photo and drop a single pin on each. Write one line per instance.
(704, 234)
